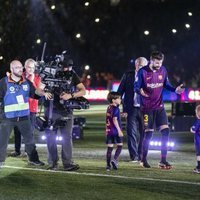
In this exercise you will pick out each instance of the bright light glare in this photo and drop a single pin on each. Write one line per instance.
(87, 3)
(172, 144)
(43, 137)
(88, 76)
(187, 26)
(97, 20)
(53, 7)
(158, 143)
(190, 14)
(59, 138)
(38, 41)
(78, 35)
(174, 30)
(87, 67)
(146, 32)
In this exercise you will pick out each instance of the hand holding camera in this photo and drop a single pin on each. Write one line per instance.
(66, 96)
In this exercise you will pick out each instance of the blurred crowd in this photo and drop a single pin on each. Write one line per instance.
(98, 80)
(189, 77)
(109, 44)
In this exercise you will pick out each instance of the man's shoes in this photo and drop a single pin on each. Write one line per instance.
(53, 167)
(164, 165)
(36, 163)
(1, 164)
(71, 167)
(145, 164)
(135, 160)
(14, 154)
(24, 155)
(114, 164)
(196, 170)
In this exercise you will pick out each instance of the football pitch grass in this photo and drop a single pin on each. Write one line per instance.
(20, 181)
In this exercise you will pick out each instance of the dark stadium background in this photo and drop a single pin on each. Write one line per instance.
(110, 45)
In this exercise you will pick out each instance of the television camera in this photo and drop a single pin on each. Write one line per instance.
(57, 81)
(52, 74)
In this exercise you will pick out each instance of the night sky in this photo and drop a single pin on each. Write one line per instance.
(109, 45)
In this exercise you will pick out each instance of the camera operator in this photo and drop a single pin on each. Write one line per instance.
(74, 89)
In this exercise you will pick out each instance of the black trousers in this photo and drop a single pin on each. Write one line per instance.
(17, 133)
(24, 125)
(18, 138)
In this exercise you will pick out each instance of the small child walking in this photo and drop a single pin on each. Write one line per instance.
(196, 130)
(114, 134)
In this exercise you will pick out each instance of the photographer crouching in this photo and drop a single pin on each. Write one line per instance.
(56, 111)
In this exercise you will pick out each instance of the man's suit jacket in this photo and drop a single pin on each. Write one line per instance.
(126, 88)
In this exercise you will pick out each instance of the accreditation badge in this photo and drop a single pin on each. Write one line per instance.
(20, 99)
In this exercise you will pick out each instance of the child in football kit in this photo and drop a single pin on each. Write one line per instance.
(196, 130)
(114, 134)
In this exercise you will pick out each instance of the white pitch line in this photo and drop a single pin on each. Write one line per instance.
(103, 175)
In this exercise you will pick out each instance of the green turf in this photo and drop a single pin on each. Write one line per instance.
(92, 181)
(45, 185)
(24, 184)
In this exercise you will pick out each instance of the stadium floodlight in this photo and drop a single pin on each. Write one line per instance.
(78, 35)
(174, 30)
(59, 138)
(53, 7)
(87, 67)
(43, 137)
(87, 3)
(187, 26)
(146, 32)
(156, 145)
(97, 20)
(38, 41)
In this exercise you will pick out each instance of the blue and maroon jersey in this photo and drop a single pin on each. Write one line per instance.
(112, 111)
(196, 126)
(152, 82)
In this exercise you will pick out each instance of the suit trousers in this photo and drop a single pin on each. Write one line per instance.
(135, 133)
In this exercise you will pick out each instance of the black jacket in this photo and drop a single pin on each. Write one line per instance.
(126, 88)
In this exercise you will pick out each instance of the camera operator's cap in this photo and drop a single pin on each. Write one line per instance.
(68, 63)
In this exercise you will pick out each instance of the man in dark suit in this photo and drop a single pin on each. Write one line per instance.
(131, 109)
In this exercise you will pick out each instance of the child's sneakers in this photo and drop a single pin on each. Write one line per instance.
(108, 168)
(114, 164)
(164, 165)
(196, 170)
